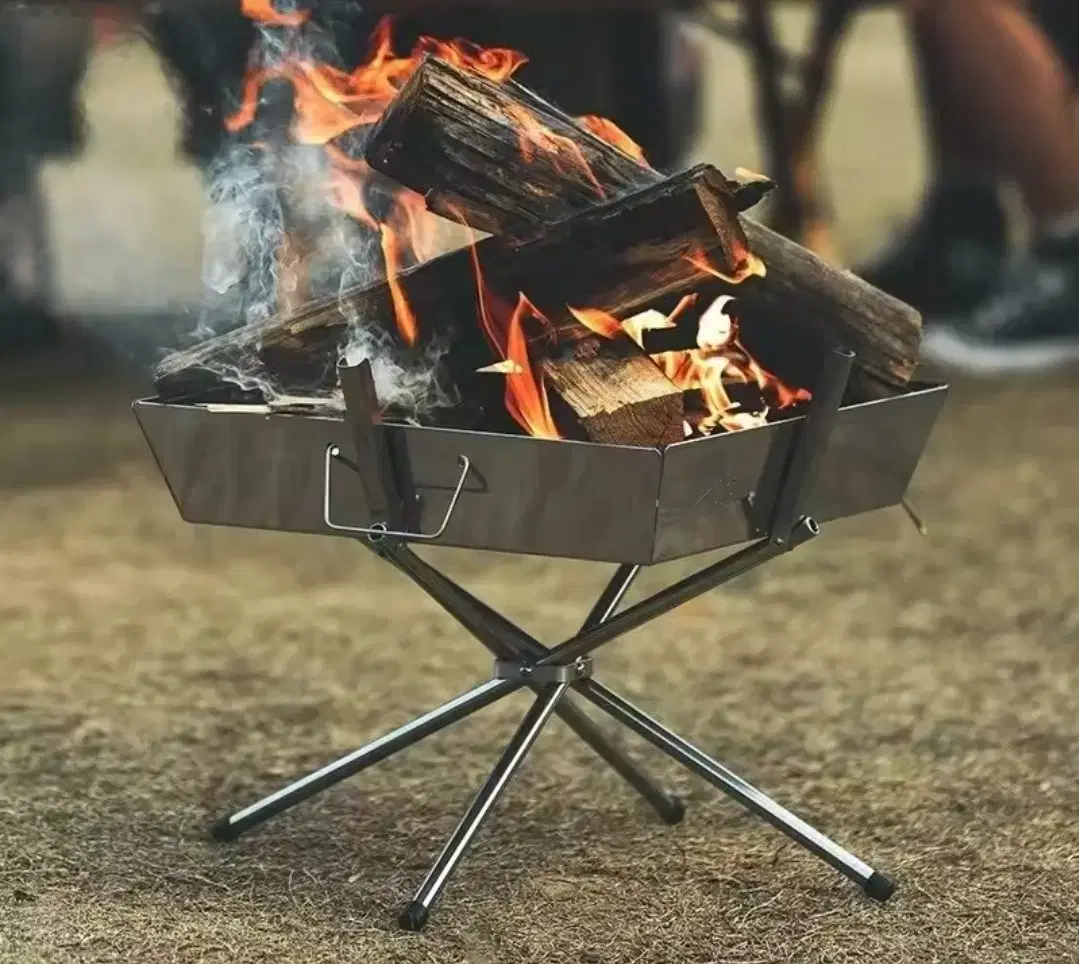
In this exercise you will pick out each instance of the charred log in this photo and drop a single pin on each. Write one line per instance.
(508, 161)
(512, 188)
(491, 149)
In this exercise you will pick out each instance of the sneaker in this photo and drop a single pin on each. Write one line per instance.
(946, 261)
(1029, 323)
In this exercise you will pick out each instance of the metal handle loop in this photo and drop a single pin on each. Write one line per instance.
(379, 530)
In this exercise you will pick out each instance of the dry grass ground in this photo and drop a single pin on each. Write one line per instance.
(916, 699)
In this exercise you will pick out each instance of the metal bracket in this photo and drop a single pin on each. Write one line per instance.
(800, 475)
(380, 530)
(379, 464)
(579, 669)
(374, 454)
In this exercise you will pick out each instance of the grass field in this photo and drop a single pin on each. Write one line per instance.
(914, 698)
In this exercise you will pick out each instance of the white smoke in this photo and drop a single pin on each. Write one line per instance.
(263, 197)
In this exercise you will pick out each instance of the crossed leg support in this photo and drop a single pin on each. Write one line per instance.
(552, 674)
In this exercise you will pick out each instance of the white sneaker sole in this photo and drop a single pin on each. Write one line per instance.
(948, 347)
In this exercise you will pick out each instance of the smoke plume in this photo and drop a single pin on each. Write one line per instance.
(275, 239)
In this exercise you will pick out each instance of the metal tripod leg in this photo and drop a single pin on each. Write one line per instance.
(670, 808)
(503, 639)
(415, 915)
(876, 885)
(385, 746)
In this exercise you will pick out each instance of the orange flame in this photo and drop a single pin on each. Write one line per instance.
(329, 103)
(609, 131)
(708, 372)
(526, 395)
(603, 324)
(263, 11)
(407, 324)
(563, 152)
(687, 302)
(751, 267)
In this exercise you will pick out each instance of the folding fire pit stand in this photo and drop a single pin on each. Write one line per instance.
(521, 661)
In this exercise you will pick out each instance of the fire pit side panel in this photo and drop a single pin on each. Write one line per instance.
(874, 452)
(720, 491)
(522, 495)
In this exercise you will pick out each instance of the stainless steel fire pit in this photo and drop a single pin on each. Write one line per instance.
(534, 496)
(389, 485)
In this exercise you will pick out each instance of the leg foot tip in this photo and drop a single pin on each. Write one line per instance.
(413, 917)
(879, 888)
(225, 830)
(675, 812)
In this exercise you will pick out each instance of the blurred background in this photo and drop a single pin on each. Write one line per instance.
(915, 696)
(126, 215)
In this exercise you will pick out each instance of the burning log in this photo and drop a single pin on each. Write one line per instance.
(512, 182)
(511, 163)
(624, 255)
(497, 151)
(615, 257)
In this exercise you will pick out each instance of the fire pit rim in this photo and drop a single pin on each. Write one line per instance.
(913, 388)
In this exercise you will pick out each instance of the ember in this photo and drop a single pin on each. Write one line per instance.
(559, 304)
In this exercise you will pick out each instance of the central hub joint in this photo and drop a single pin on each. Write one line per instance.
(544, 675)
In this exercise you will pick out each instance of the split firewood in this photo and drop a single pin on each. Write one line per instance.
(612, 396)
(513, 180)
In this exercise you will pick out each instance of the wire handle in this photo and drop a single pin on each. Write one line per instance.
(379, 530)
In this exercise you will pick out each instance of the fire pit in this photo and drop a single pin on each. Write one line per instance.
(716, 386)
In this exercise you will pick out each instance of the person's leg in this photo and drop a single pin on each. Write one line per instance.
(1002, 71)
(944, 261)
(999, 70)
(43, 55)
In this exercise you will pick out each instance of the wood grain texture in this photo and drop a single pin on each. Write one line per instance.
(802, 289)
(512, 163)
(613, 397)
